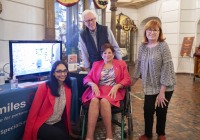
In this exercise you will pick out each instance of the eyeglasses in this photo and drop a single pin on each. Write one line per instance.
(90, 20)
(61, 71)
(152, 30)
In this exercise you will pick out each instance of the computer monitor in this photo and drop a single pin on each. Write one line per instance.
(29, 60)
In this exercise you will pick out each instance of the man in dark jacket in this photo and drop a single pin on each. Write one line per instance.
(93, 37)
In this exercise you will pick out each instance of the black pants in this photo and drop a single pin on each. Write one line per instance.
(161, 113)
(56, 131)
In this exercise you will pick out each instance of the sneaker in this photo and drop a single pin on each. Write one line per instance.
(161, 137)
(144, 137)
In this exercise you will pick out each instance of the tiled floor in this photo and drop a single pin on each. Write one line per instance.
(183, 119)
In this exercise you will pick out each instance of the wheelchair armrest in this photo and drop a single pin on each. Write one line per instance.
(127, 97)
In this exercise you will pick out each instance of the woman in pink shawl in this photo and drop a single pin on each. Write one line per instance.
(106, 82)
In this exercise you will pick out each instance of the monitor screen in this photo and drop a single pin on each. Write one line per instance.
(33, 58)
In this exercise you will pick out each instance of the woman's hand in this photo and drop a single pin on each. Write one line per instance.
(114, 90)
(133, 81)
(95, 89)
(161, 100)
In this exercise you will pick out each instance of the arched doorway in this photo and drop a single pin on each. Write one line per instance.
(141, 30)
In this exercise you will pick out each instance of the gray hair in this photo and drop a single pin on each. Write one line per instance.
(87, 11)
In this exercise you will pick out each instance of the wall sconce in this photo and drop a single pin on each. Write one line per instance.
(0, 7)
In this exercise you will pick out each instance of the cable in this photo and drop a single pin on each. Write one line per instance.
(4, 68)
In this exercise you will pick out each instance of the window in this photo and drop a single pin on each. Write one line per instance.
(68, 24)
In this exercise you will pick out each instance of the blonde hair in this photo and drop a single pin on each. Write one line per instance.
(153, 24)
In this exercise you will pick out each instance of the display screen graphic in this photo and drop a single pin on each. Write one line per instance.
(33, 57)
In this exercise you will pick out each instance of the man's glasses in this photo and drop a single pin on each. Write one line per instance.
(61, 71)
(152, 31)
(90, 20)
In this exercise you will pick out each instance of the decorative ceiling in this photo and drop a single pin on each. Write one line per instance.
(133, 3)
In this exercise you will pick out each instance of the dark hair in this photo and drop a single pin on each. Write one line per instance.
(153, 24)
(107, 46)
(52, 83)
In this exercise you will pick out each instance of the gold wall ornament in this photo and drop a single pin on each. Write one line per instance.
(68, 3)
(126, 23)
(187, 46)
(100, 4)
(0, 8)
(126, 29)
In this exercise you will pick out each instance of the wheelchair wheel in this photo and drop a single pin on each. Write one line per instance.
(129, 117)
(83, 122)
(130, 125)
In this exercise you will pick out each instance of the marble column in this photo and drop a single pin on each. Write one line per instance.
(131, 45)
(132, 33)
(113, 8)
(104, 17)
(86, 5)
(49, 20)
(0, 8)
(119, 28)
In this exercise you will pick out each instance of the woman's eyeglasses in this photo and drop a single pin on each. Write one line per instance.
(61, 71)
(152, 31)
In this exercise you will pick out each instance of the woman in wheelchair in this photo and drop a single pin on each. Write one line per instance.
(106, 81)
